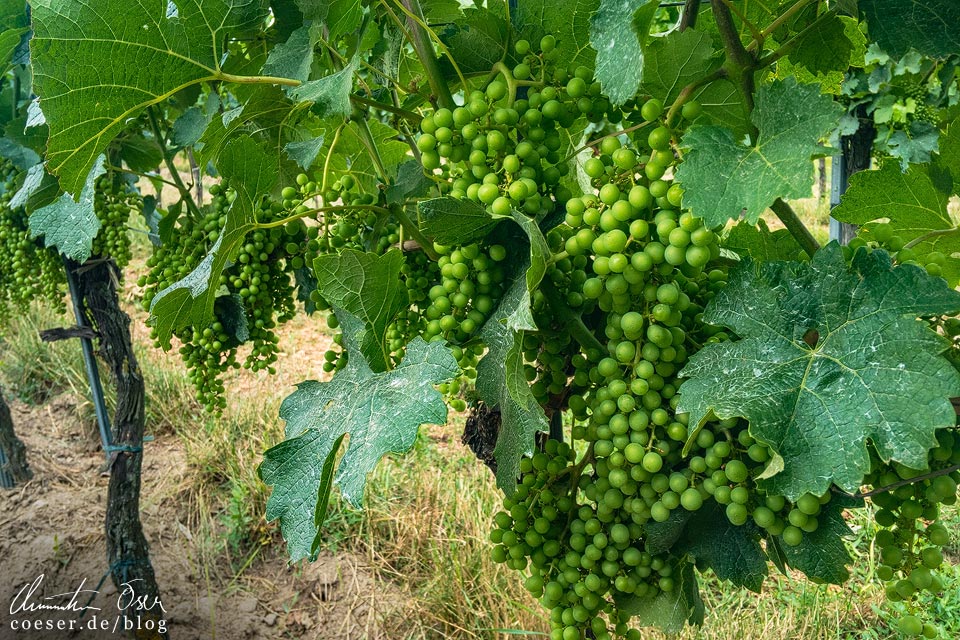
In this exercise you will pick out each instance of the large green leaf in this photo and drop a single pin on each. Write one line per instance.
(669, 610)
(948, 157)
(339, 16)
(268, 117)
(929, 26)
(501, 382)
(367, 286)
(567, 21)
(619, 31)
(824, 49)
(707, 535)
(477, 40)
(822, 554)
(727, 179)
(683, 57)
(98, 63)
(330, 95)
(293, 58)
(67, 224)
(381, 412)
(914, 205)
(760, 243)
(453, 220)
(189, 301)
(830, 359)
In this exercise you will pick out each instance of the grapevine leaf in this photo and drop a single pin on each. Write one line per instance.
(22, 157)
(733, 552)
(39, 189)
(477, 41)
(760, 243)
(353, 154)
(948, 157)
(99, 64)
(929, 26)
(267, 117)
(368, 287)
(676, 60)
(619, 31)
(340, 16)
(293, 58)
(70, 225)
(34, 137)
(304, 152)
(875, 373)
(330, 95)
(189, 127)
(380, 411)
(287, 17)
(680, 58)
(9, 41)
(232, 314)
(139, 153)
(913, 146)
(189, 301)
(411, 182)
(915, 206)
(501, 382)
(454, 221)
(822, 555)
(732, 178)
(539, 249)
(824, 49)
(669, 611)
(568, 21)
(306, 284)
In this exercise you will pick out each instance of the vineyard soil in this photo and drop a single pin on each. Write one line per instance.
(53, 526)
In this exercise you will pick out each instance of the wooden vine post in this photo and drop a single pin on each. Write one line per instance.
(14, 469)
(127, 550)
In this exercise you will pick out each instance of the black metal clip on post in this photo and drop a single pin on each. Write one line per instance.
(89, 361)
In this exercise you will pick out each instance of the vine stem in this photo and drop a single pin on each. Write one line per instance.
(312, 212)
(389, 108)
(410, 227)
(691, 9)
(754, 31)
(782, 19)
(326, 162)
(902, 483)
(796, 228)
(230, 77)
(185, 194)
(741, 64)
(423, 45)
(687, 92)
(790, 44)
(930, 234)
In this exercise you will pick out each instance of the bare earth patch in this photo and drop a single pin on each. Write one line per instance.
(53, 526)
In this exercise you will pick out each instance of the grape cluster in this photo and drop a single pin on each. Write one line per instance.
(29, 271)
(505, 151)
(910, 536)
(632, 266)
(257, 291)
(113, 203)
